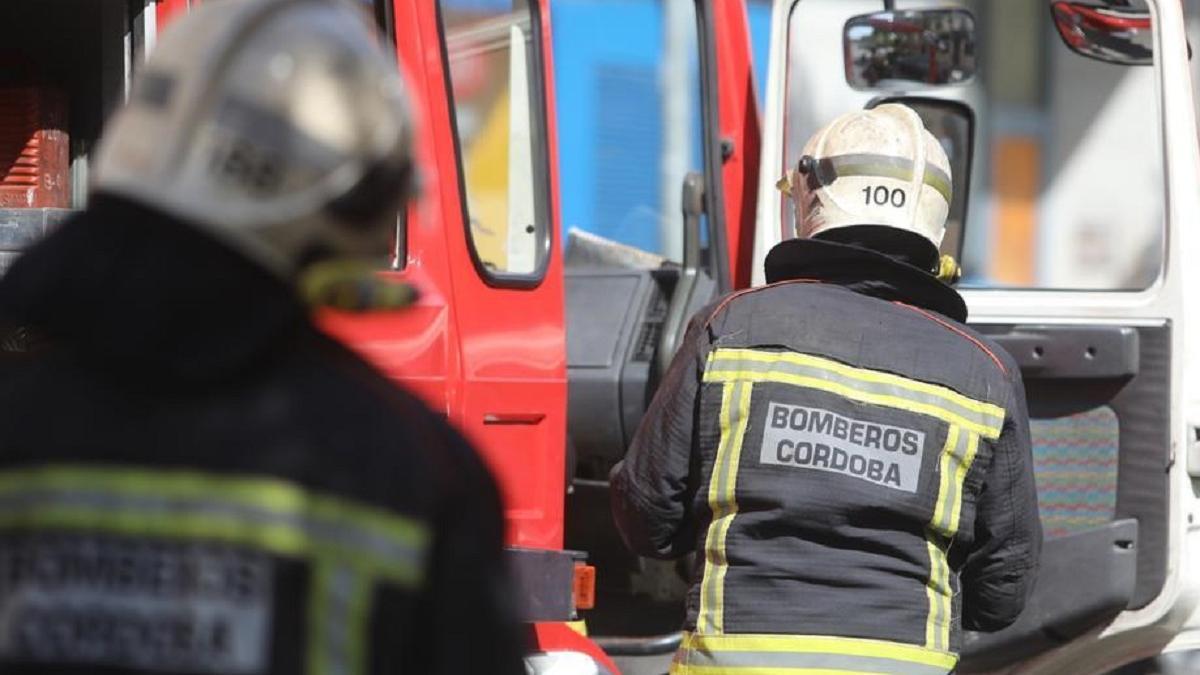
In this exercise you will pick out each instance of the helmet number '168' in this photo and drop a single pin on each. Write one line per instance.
(882, 196)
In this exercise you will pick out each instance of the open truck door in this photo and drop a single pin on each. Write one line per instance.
(485, 341)
(1078, 245)
(658, 127)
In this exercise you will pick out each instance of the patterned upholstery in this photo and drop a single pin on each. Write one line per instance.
(1075, 461)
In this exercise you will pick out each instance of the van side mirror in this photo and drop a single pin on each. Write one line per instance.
(1111, 34)
(893, 49)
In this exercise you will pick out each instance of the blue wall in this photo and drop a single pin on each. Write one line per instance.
(610, 115)
(759, 14)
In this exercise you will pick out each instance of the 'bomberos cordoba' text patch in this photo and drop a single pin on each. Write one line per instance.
(813, 438)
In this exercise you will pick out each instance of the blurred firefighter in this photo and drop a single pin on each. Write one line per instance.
(850, 462)
(193, 479)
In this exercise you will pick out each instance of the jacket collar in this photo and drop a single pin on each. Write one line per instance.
(864, 271)
(140, 293)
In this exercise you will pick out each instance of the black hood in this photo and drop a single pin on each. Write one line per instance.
(864, 271)
(136, 291)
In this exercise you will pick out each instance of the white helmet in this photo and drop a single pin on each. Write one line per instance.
(874, 167)
(280, 126)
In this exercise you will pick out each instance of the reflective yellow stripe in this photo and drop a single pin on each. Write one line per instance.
(350, 547)
(338, 613)
(954, 464)
(853, 394)
(960, 477)
(722, 500)
(945, 475)
(989, 410)
(712, 552)
(755, 653)
(739, 433)
(823, 644)
(318, 617)
(266, 493)
(937, 626)
(760, 670)
(273, 538)
(937, 588)
(968, 420)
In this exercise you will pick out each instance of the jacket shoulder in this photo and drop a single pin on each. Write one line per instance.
(860, 330)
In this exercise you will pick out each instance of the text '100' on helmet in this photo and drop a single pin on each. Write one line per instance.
(280, 126)
(877, 167)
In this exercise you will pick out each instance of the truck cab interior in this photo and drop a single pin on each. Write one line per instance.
(645, 250)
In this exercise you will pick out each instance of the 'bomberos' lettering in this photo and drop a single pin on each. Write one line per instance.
(813, 438)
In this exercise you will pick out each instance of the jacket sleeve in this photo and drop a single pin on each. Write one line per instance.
(652, 488)
(1000, 572)
(469, 622)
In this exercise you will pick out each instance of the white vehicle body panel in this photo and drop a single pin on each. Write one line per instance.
(1172, 620)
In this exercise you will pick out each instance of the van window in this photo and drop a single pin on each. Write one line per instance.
(496, 87)
(630, 120)
(1067, 185)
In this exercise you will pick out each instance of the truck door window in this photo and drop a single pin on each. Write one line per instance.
(492, 50)
(630, 121)
(1067, 187)
(381, 13)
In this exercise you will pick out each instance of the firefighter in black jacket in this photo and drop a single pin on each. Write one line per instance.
(193, 479)
(849, 461)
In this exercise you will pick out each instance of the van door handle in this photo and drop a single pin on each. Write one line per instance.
(513, 418)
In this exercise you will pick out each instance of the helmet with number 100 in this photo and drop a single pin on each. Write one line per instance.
(875, 167)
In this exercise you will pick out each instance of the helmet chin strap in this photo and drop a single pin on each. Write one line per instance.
(353, 286)
(949, 271)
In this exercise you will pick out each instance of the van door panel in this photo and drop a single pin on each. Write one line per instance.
(1099, 402)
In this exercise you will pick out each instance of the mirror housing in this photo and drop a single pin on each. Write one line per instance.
(1110, 34)
(894, 49)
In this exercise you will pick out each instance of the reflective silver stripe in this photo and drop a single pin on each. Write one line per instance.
(730, 662)
(953, 466)
(350, 547)
(338, 609)
(863, 384)
(339, 621)
(886, 166)
(402, 559)
(340, 584)
(937, 624)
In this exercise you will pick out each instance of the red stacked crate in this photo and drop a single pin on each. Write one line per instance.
(35, 155)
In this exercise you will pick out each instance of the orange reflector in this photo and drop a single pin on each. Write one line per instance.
(585, 586)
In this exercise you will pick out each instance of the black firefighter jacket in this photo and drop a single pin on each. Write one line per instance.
(194, 480)
(851, 465)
